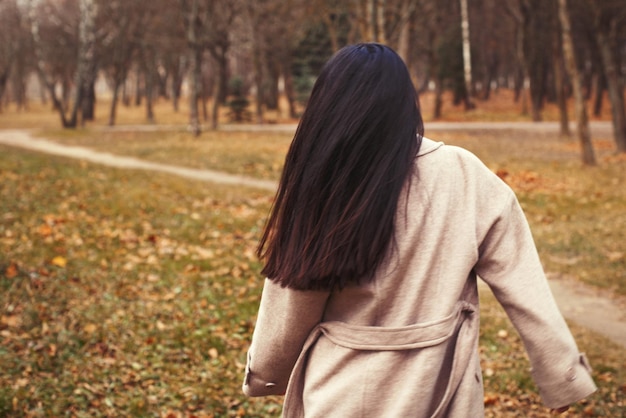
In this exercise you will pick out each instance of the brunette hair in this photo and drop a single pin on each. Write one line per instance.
(334, 213)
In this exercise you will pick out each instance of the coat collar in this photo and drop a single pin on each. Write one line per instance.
(428, 146)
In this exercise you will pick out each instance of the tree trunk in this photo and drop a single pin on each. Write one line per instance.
(85, 72)
(149, 80)
(138, 88)
(614, 87)
(271, 91)
(290, 92)
(41, 65)
(177, 81)
(438, 99)
(381, 35)
(88, 106)
(258, 78)
(114, 100)
(194, 89)
(404, 39)
(196, 67)
(467, 55)
(4, 77)
(257, 64)
(584, 136)
(523, 79)
(217, 94)
(559, 84)
(600, 87)
(365, 12)
(206, 91)
(370, 17)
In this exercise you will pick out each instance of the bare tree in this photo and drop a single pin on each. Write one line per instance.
(64, 38)
(608, 16)
(48, 69)
(271, 26)
(122, 24)
(584, 136)
(218, 40)
(207, 25)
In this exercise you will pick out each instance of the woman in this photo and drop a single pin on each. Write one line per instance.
(372, 253)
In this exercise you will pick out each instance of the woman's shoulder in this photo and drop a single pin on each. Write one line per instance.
(440, 161)
(448, 153)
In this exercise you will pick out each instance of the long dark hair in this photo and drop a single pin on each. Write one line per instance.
(334, 213)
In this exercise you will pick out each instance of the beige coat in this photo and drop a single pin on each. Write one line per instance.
(406, 344)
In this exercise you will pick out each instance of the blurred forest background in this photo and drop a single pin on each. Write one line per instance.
(247, 55)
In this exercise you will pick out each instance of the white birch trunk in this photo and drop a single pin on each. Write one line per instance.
(86, 54)
(467, 55)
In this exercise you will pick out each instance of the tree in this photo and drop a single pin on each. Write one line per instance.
(608, 16)
(467, 57)
(64, 38)
(193, 25)
(9, 38)
(218, 41)
(54, 64)
(86, 71)
(584, 136)
(559, 84)
(122, 22)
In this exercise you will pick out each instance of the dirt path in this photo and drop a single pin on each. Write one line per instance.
(579, 303)
(23, 139)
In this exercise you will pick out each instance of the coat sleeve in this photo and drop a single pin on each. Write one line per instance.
(509, 264)
(286, 318)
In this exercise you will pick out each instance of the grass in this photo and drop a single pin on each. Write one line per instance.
(123, 293)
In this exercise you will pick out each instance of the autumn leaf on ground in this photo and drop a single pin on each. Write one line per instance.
(11, 271)
(59, 261)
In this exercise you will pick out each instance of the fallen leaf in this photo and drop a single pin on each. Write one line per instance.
(615, 256)
(21, 382)
(59, 261)
(213, 353)
(11, 271)
(45, 230)
(11, 321)
(90, 328)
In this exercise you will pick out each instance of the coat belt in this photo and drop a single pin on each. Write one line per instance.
(395, 338)
(390, 338)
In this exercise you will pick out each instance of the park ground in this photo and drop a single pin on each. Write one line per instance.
(133, 292)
